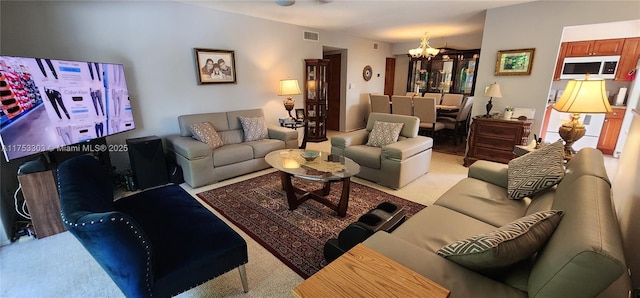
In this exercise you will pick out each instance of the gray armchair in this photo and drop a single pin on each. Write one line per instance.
(393, 165)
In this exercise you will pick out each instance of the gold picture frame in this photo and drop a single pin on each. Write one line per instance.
(215, 66)
(514, 62)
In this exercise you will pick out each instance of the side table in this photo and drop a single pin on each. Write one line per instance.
(364, 272)
(296, 125)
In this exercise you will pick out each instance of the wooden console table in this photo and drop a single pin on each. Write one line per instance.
(494, 139)
(363, 272)
(41, 194)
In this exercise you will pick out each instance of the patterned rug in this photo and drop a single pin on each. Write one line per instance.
(258, 206)
(444, 144)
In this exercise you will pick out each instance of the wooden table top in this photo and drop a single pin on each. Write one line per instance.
(363, 272)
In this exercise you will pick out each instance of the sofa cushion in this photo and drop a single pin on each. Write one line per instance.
(204, 132)
(365, 156)
(263, 147)
(535, 171)
(505, 246)
(230, 154)
(254, 128)
(384, 133)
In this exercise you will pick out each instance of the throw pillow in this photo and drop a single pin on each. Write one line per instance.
(535, 171)
(511, 243)
(254, 128)
(205, 132)
(384, 133)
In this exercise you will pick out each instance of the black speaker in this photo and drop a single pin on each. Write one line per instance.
(147, 161)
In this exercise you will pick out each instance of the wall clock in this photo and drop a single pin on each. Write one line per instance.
(367, 72)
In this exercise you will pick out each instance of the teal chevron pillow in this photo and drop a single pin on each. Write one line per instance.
(511, 243)
(535, 171)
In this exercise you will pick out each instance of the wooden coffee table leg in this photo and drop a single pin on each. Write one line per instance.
(344, 198)
(292, 199)
(326, 189)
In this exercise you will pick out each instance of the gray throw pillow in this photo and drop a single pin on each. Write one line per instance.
(205, 132)
(535, 171)
(384, 133)
(254, 128)
(509, 244)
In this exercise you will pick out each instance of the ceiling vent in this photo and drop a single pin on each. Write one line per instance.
(311, 36)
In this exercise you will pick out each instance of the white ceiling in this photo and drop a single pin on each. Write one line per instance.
(386, 21)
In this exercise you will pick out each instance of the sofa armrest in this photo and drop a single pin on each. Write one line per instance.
(188, 147)
(282, 133)
(358, 137)
(492, 172)
(406, 148)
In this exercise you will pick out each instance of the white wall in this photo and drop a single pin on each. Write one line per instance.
(536, 25)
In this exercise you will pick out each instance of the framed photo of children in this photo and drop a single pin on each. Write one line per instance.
(215, 66)
(514, 62)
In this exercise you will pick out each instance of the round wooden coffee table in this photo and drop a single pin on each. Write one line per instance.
(327, 168)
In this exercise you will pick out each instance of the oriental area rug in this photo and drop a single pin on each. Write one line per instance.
(259, 207)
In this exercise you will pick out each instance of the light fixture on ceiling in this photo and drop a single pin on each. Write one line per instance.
(424, 50)
(285, 2)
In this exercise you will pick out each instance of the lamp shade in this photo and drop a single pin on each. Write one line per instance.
(584, 96)
(289, 87)
(493, 91)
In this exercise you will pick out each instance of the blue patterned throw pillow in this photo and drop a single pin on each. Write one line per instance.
(507, 245)
(254, 128)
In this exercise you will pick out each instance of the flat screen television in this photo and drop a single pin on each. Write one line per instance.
(48, 104)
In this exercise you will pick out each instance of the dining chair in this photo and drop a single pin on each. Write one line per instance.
(450, 99)
(412, 94)
(380, 103)
(402, 105)
(425, 109)
(437, 96)
(459, 121)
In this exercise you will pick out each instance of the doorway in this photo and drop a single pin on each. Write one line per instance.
(389, 76)
(334, 89)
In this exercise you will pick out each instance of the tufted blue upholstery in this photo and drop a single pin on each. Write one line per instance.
(158, 242)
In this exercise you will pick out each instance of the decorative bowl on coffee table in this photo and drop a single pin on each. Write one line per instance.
(310, 155)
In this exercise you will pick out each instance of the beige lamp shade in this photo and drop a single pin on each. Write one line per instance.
(584, 96)
(289, 87)
(493, 91)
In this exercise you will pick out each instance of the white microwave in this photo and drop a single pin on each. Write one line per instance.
(598, 67)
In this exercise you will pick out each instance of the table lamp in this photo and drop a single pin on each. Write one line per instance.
(580, 96)
(492, 91)
(289, 87)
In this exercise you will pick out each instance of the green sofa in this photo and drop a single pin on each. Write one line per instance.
(202, 166)
(583, 258)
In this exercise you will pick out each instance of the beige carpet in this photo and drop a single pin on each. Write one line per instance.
(58, 266)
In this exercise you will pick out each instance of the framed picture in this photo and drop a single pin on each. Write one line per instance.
(215, 66)
(300, 114)
(514, 62)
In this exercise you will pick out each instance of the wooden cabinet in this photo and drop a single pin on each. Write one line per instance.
(453, 71)
(602, 47)
(41, 194)
(315, 95)
(495, 139)
(628, 58)
(610, 131)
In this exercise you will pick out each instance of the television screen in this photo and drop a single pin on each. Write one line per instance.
(47, 104)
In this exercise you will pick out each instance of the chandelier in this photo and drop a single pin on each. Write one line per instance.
(425, 50)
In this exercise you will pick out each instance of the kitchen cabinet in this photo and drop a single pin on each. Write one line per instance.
(315, 95)
(495, 139)
(560, 62)
(628, 58)
(610, 131)
(601, 47)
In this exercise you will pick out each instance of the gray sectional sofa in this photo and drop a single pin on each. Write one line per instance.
(583, 257)
(201, 165)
